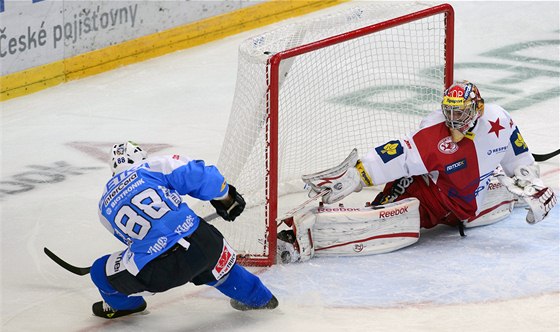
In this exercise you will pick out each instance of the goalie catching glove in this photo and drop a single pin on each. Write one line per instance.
(526, 184)
(340, 181)
(231, 206)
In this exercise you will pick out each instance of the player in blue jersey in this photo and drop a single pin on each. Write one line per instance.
(168, 244)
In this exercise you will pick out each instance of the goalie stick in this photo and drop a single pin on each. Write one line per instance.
(293, 211)
(544, 157)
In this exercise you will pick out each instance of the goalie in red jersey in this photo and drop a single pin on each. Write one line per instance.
(465, 166)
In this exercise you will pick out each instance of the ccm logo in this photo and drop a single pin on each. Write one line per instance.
(392, 213)
(494, 186)
(117, 265)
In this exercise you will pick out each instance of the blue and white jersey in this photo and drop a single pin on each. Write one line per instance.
(143, 207)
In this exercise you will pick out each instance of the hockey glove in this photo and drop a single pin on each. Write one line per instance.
(528, 186)
(342, 180)
(231, 206)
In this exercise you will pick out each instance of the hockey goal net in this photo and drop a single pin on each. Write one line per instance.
(309, 92)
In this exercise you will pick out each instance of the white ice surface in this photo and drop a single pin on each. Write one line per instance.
(503, 277)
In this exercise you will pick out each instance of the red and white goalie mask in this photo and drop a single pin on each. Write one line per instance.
(462, 105)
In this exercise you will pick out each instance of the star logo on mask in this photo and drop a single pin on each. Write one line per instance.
(495, 127)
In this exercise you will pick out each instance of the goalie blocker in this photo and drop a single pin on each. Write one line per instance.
(356, 231)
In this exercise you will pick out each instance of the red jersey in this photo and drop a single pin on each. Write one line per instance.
(459, 172)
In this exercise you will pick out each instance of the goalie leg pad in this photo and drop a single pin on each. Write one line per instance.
(348, 231)
(365, 231)
(303, 230)
(497, 205)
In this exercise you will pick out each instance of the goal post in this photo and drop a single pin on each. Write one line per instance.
(310, 92)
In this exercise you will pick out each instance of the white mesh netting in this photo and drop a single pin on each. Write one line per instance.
(358, 93)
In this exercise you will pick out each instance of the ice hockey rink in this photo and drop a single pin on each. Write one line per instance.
(502, 277)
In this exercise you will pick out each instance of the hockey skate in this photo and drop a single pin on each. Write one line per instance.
(102, 309)
(273, 303)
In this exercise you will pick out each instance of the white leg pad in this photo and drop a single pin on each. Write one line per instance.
(347, 231)
(498, 204)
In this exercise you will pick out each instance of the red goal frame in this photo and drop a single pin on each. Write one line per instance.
(273, 95)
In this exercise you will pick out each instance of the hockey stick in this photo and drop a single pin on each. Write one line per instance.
(323, 175)
(544, 157)
(293, 211)
(82, 271)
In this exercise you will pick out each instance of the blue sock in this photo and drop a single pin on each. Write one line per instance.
(110, 295)
(243, 286)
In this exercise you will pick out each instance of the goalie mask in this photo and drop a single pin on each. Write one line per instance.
(462, 105)
(124, 155)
